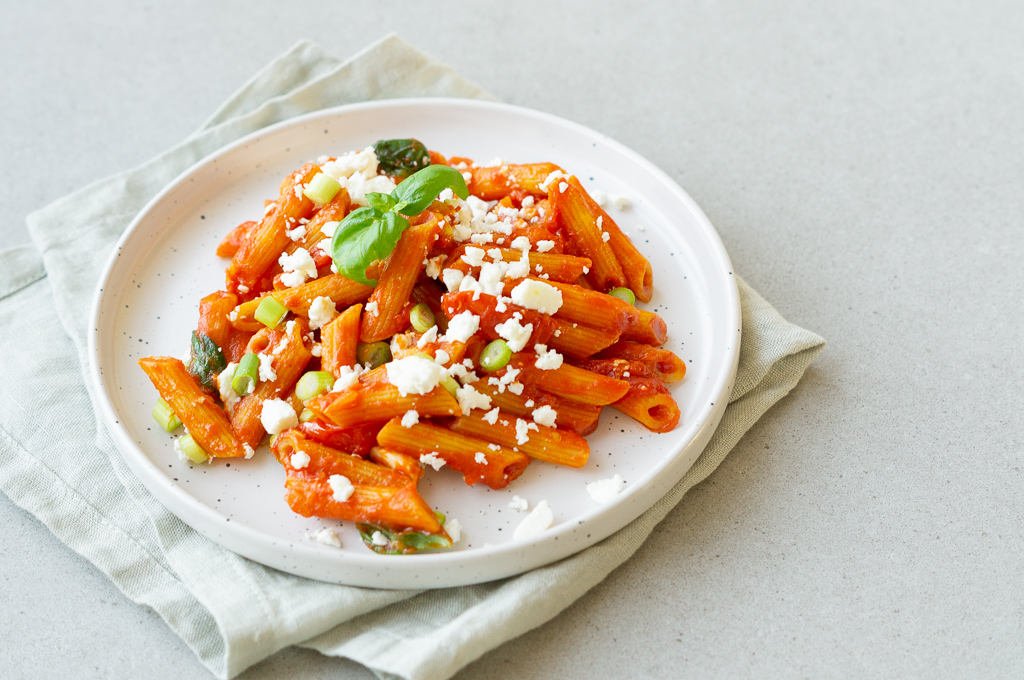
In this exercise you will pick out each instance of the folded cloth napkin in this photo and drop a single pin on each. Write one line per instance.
(230, 611)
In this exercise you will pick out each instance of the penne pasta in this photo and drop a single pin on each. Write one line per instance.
(375, 402)
(666, 365)
(339, 340)
(550, 444)
(387, 311)
(575, 212)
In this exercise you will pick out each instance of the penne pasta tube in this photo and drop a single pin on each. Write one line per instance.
(593, 308)
(648, 402)
(356, 440)
(387, 311)
(267, 240)
(394, 507)
(406, 464)
(576, 213)
(233, 241)
(570, 381)
(339, 340)
(469, 455)
(557, 266)
(287, 355)
(375, 402)
(635, 267)
(497, 182)
(324, 460)
(571, 415)
(550, 444)
(486, 307)
(205, 420)
(649, 329)
(213, 317)
(342, 292)
(666, 365)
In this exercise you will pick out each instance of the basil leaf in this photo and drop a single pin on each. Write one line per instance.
(401, 157)
(365, 235)
(380, 202)
(401, 542)
(207, 360)
(421, 189)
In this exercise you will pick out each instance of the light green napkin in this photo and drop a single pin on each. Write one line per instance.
(231, 611)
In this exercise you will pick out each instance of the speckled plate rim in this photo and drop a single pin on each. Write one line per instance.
(448, 568)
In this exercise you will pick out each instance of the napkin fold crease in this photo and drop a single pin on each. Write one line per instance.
(233, 612)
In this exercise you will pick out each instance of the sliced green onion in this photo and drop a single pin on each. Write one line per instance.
(373, 354)
(246, 375)
(322, 188)
(449, 384)
(163, 414)
(440, 516)
(624, 294)
(306, 416)
(270, 311)
(187, 445)
(421, 317)
(313, 384)
(495, 356)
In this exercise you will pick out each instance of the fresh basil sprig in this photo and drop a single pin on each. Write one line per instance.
(207, 360)
(401, 157)
(371, 233)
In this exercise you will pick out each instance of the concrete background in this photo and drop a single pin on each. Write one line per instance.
(864, 164)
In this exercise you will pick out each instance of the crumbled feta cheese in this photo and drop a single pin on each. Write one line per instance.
(562, 186)
(605, 236)
(410, 418)
(299, 460)
(536, 522)
(537, 295)
(242, 288)
(551, 178)
(522, 243)
(267, 372)
(249, 452)
(600, 197)
(347, 377)
(491, 416)
(514, 333)
(523, 428)
(622, 203)
(296, 234)
(480, 458)
(433, 266)
(413, 375)
(371, 306)
(454, 529)
(329, 228)
(518, 504)
(604, 490)
(341, 487)
(227, 393)
(474, 257)
(470, 399)
(547, 360)
(462, 326)
(545, 415)
(329, 537)
(277, 416)
(545, 246)
(378, 539)
(433, 460)
(520, 268)
(452, 278)
(441, 357)
(428, 337)
(321, 312)
(298, 267)
(600, 221)
(486, 237)
(491, 274)
(180, 451)
(516, 388)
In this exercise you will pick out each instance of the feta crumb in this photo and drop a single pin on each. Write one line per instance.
(535, 523)
(522, 430)
(347, 377)
(296, 234)
(600, 197)
(452, 279)
(433, 267)
(600, 222)
(441, 357)
(317, 350)
(242, 288)
(474, 257)
(329, 228)
(267, 372)
(321, 312)
(547, 360)
(516, 388)
(518, 504)
(480, 458)
(486, 237)
(470, 399)
(329, 537)
(514, 333)
(545, 415)
(428, 337)
(537, 295)
(277, 416)
(410, 418)
(378, 539)
(454, 529)
(551, 178)
(413, 375)
(562, 186)
(605, 236)
(371, 306)
(299, 460)
(462, 326)
(249, 452)
(227, 393)
(491, 416)
(622, 203)
(520, 268)
(432, 460)
(341, 487)
(298, 267)
(604, 490)
(522, 243)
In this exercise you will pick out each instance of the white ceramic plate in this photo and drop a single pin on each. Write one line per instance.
(147, 305)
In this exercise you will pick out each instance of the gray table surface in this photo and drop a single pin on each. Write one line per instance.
(864, 164)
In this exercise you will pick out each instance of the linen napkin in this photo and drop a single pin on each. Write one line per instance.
(233, 612)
